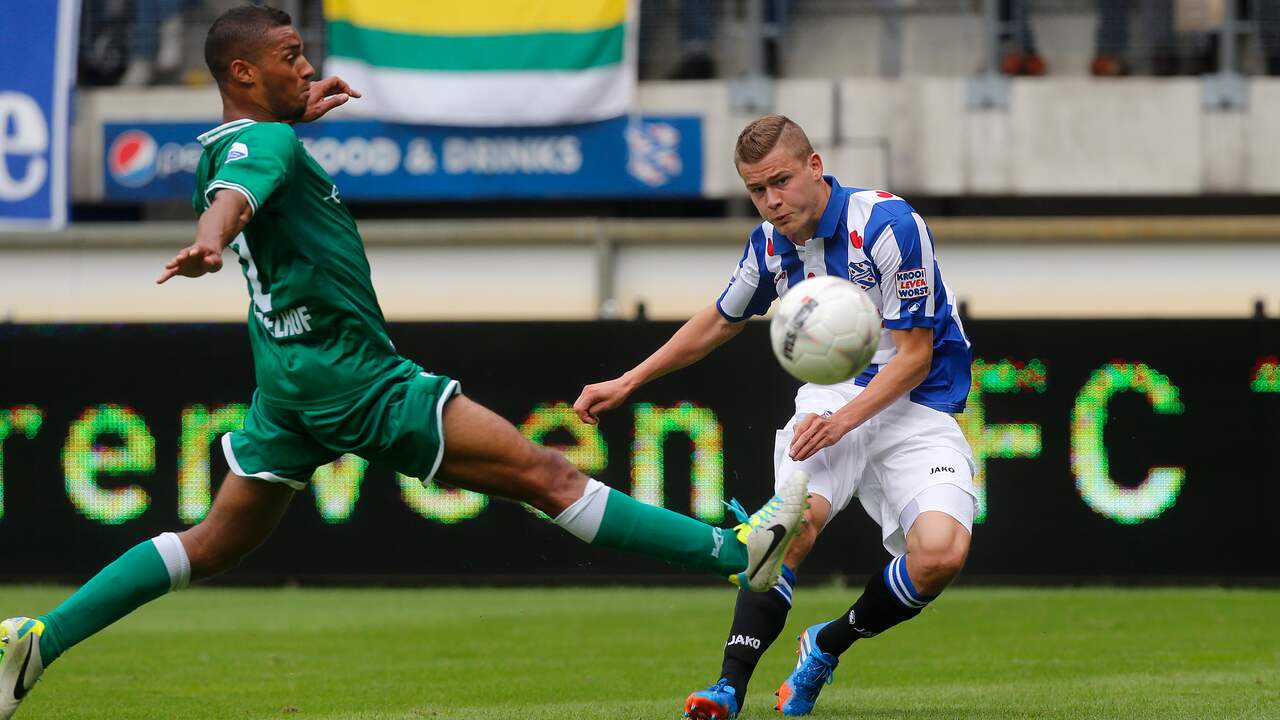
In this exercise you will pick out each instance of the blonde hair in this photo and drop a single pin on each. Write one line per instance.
(762, 136)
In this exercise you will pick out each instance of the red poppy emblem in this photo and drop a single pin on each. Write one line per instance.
(856, 239)
(884, 194)
(768, 247)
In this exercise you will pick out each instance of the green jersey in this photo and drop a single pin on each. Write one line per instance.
(317, 332)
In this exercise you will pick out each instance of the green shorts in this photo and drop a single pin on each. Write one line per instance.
(397, 423)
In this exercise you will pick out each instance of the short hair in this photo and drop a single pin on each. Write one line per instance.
(762, 136)
(239, 34)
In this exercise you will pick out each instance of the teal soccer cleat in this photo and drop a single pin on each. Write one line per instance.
(813, 670)
(718, 702)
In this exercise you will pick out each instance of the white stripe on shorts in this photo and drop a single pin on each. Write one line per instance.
(264, 475)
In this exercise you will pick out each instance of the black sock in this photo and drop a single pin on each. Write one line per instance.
(890, 598)
(758, 619)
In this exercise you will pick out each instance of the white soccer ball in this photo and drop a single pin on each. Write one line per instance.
(826, 330)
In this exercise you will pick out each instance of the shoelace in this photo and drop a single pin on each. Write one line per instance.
(743, 516)
(721, 685)
(738, 512)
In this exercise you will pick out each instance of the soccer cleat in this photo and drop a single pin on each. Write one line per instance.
(718, 702)
(813, 670)
(769, 532)
(20, 664)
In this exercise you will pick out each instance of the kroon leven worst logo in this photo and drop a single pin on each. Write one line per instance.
(793, 328)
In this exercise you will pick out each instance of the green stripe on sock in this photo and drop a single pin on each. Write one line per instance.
(477, 53)
(133, 580)
(636, 527)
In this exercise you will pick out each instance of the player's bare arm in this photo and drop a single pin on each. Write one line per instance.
(217, 227)
(703, 333)
(904, 371)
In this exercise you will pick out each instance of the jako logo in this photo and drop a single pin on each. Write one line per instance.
(131, 159)
(744, 640)
(942, 468)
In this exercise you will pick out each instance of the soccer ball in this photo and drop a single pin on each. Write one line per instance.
(826, 330)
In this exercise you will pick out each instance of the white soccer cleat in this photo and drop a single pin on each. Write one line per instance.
(20, 663)
(769, 532)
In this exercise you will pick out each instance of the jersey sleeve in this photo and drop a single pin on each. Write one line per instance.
(256, 163)
(903, 255)
(197, 196)
(746, 295)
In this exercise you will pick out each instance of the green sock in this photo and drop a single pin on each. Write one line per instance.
(134, 579)
(606, 517)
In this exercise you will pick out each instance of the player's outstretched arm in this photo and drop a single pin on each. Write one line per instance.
(325, 95)
(217, 227)
(904, 371)
(703, 333)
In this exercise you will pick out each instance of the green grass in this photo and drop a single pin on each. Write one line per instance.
(626, 653)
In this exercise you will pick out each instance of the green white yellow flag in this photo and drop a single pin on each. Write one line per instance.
(484, 62)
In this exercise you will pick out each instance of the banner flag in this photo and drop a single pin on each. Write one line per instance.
(489, 64)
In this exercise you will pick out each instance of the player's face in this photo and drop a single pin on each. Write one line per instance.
(285, 74)
(787, 190)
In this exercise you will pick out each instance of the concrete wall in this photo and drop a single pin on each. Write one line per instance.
(1059, 136)
(425, 272)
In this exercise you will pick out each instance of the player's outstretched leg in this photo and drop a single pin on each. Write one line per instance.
(758, 619)
(135, 578)
(485, 453)
(244, 513)
(936, 550)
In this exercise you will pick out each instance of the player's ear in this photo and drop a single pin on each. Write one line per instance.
(242, 72)
(815, 166)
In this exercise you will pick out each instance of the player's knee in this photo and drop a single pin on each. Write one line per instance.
(809, 534)
(815, 518)
(803, 544)
(553, 482)
(944, 565)
(211, 553)
(938, 563)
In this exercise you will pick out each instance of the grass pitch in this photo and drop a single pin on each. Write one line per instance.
(627, 653)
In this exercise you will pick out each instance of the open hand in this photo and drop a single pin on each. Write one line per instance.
(192, 261)
(325, 95)
(815, 432)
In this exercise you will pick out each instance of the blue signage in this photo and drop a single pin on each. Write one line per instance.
(35, 89)
(624, 157)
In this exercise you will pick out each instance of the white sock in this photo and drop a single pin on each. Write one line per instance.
(582, 519)
(169, 545)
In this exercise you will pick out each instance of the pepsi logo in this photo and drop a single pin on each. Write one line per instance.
(131, 159)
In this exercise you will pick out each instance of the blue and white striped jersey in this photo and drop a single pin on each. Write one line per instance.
(881, 244)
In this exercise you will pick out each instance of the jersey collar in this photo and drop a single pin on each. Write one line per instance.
(835, 206)
(223, 129)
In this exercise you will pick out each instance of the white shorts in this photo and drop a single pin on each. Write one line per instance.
(888, 463)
